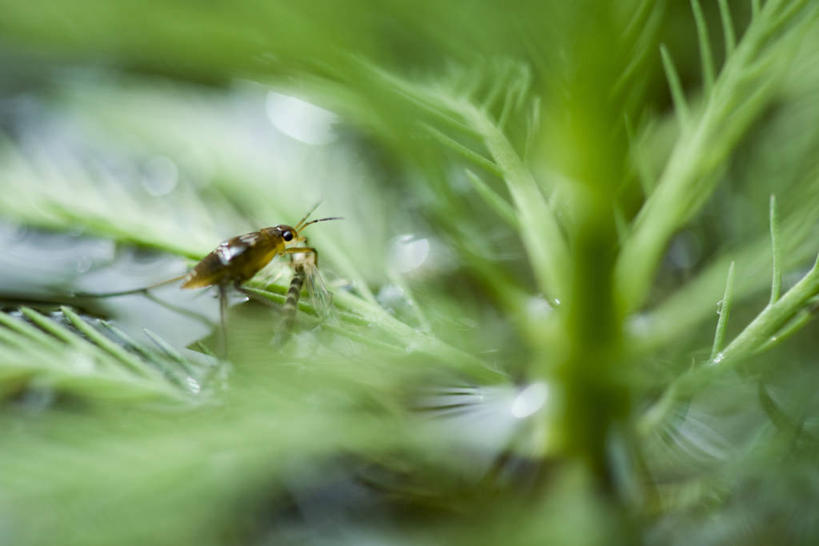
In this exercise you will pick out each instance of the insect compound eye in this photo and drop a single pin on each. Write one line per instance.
(287, 235)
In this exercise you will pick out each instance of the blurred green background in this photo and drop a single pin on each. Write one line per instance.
(572, 294)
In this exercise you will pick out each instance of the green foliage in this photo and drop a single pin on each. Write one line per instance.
(521, 348)
(82, 361)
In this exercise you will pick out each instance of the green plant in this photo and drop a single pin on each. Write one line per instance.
(580, 234)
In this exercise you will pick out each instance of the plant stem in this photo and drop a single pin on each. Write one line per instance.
(770, 320)
(724, 312)
(776, 254)
(754, 338)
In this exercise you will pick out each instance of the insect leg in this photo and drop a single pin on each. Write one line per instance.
(302, 250)
(222, 338)
(293, 294)
(180, 310)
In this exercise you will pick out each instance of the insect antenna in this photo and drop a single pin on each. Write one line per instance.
(127, 292)
(320, 220)
(306, 216)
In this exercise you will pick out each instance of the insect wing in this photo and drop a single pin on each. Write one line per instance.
(230, 249)
(320, 297)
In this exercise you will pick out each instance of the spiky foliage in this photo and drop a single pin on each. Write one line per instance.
(543, 208)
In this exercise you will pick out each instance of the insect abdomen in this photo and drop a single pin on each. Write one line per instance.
(207, 272)
(235, 260)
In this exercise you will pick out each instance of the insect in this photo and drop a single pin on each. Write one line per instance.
(237, 260)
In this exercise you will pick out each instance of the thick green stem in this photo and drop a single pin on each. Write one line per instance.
(596, 399)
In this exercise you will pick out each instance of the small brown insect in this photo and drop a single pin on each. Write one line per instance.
(238, 259)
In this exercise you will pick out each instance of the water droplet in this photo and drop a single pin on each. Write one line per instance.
(409, 253)
(390, 296)
(538, 307)
(530, 400)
